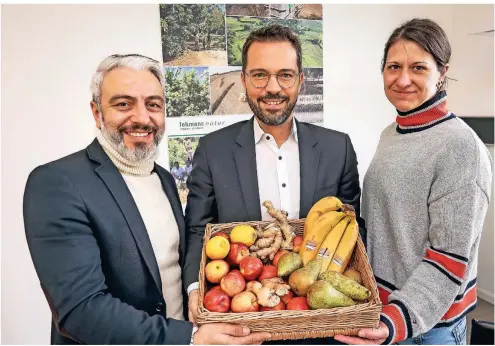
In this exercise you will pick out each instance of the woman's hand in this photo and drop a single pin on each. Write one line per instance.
(367, 336)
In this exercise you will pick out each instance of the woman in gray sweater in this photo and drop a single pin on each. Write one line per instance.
(425, 198)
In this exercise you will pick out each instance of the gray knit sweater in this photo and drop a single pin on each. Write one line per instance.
(425, 198)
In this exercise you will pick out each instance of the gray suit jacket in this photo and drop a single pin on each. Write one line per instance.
(223, 184)
(93, 256)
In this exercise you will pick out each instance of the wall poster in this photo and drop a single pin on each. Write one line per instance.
(201, 46)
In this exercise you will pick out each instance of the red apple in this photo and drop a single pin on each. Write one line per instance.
(217, 287)
(298, 303)
(222, 234)
(244, 302)
(297, 243)
(268, 272)
(251, 267)
(279, 306)
(278, 255)
(287, 297)
(233, 283)
(216, 270)
(217, 301)
(238, 251)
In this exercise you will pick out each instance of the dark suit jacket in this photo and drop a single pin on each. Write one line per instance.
(223, 184)
(93, 256)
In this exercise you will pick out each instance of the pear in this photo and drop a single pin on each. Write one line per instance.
(346, 285)
(322, 295)
(302, 278)
(289, 263)
(354, 275)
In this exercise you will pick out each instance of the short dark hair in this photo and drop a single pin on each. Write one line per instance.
(273, 33)
(427, 34)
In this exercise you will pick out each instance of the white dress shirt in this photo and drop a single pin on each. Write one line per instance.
(278, 174)
(278, 171)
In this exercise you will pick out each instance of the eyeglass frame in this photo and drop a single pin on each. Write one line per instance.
(276, 78)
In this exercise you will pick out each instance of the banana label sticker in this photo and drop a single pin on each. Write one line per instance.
(323, 253)
(338, 260)
(311, 245)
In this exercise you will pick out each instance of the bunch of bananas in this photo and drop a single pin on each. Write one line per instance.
(330, 231)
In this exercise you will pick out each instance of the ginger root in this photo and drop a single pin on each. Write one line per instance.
(281, 217)
(278, 285)
(253, 286)
(274, 246)
(265, 239)
(266, 296)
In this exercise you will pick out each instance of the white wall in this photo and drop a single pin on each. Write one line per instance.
(472, 61)
(50, 53)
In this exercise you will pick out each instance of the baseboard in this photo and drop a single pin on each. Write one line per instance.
(485, 295)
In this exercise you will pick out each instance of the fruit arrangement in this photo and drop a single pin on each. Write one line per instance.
(271, 268)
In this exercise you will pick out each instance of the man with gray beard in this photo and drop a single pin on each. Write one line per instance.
(105, 227)
(271, 157)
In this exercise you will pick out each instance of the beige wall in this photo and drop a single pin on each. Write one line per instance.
(51, 51)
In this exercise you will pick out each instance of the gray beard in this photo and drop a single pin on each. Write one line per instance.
(270, 118)
(141, 153)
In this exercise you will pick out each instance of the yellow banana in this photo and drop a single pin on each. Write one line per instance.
(345, 249)
(321, 207)
(331, 242)
(317, 233)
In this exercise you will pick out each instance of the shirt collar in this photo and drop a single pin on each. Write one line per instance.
(258, 131)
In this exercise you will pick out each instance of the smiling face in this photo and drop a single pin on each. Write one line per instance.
(132, 112)
(410, 75)
(271, 104)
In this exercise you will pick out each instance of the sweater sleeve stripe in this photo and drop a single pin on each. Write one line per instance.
(383, 294)
(455, 266)
(391, 330)
(459, 307)
(385, 288)
(385, 284)
(450, 254)
(398, 316)
(454, 279)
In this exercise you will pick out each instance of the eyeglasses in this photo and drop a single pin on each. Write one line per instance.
(260, 80)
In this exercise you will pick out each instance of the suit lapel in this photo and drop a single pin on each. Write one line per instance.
(173, 197)
(309, 160)
(118, 188)
(245, 160)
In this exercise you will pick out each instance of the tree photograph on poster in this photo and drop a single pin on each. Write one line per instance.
(193, 35)
(187, 91)
(180, 153)
(310, 33)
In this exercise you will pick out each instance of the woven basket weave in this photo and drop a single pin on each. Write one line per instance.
(299, 324)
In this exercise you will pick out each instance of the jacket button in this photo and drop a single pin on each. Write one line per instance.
(159, 307)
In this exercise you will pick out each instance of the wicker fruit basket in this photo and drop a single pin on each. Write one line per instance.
(299, 324)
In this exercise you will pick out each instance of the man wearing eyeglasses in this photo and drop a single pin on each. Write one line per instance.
(271, 157)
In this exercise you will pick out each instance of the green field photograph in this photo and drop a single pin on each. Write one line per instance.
(310, 33)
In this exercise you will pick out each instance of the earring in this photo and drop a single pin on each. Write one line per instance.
(439, 84)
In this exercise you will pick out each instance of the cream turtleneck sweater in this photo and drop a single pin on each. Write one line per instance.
(158, 217)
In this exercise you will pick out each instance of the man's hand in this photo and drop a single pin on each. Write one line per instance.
(366, 336)
(227, 334)
(193, 302)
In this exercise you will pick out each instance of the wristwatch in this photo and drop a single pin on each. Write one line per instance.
(194, 330)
